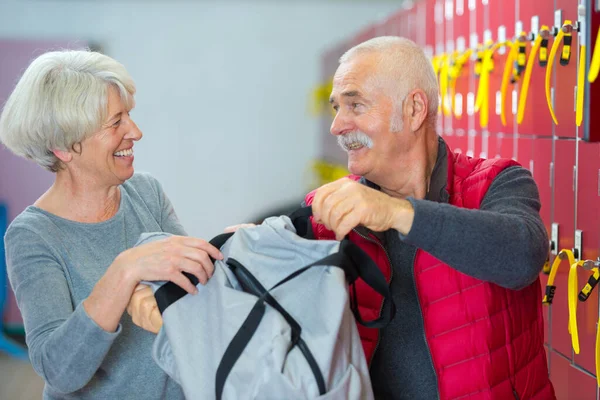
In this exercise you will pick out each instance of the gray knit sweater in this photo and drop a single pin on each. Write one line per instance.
(53, 265)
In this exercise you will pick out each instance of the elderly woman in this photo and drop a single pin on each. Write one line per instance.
(70, 255)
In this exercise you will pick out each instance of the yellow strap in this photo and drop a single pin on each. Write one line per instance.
(564, 254)
(512, 54)
(444, 84)
(555, 45)
(527, 78)
(482, 101)
(456, 73)
(580, 87)
(595, 64)
(484, 70)
(572, 296)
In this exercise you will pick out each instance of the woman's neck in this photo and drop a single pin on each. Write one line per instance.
(81, 200)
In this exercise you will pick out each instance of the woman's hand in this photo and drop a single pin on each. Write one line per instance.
(144, 310)
(167, 259)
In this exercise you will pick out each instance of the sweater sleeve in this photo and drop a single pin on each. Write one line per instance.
(504, 242)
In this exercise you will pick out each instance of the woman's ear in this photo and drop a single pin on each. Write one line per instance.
(63, 155)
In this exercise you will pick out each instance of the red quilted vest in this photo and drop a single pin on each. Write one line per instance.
(486, 342)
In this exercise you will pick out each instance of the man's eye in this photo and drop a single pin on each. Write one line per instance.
(116, 124)
(354, 105)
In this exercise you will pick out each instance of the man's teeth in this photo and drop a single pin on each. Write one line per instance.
(354, 146)
(124, 153)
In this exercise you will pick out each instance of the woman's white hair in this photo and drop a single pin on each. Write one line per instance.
(60, 100)
(403, 67)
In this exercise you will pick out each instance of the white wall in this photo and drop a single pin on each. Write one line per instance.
(222, 90)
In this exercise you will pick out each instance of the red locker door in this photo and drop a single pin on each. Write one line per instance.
(582, 386)
(566, 76)
(559, 375)
(460, 21)
(443, 128)
(564, 205)
(494, 145)
(537, 120)
(588, 221)
(569, 382)
(539, 164)
(502, 26)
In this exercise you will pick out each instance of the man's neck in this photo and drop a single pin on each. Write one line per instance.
(414, 177)
(79, 199)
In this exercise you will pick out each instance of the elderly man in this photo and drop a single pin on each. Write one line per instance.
(459, 239)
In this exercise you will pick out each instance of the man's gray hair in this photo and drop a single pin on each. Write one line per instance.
(60, 100)
(403, 67)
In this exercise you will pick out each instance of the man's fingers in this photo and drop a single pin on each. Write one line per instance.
(339, 212)
(346, 224)
(321, 194)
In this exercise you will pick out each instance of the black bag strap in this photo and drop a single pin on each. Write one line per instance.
(248, 329)
(169, 293)
(355, 263)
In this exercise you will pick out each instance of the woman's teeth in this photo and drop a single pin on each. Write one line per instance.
(124, 153)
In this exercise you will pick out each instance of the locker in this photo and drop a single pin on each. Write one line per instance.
(501, 15)
(560, 375)
(524, 151)
(582, 386)
(494, 145)
(565, 76)
(564, 205)
(541, 165)
(393, 25)
(430, 26)
(503, 145)
(444, 124)
(588, 216)
(537, 120)
(460, 33)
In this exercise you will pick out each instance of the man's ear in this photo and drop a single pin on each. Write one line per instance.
(63, 155)
(416, 107)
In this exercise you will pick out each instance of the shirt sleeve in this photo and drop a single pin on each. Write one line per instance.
(504, 242)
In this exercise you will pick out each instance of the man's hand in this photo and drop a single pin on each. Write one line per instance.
(144, 310)
(344, 204)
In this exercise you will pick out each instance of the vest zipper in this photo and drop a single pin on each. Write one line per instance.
(423, 319)
(378, 243)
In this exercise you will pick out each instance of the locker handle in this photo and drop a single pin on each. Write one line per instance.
(544, 32)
